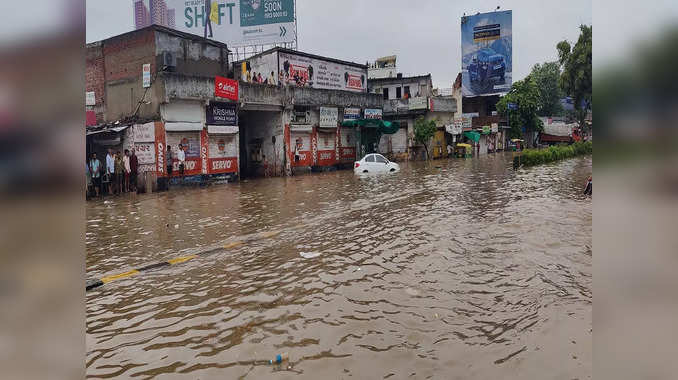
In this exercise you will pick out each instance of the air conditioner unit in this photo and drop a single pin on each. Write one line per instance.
(169, 61)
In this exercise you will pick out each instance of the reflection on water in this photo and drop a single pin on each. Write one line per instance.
(455, 267)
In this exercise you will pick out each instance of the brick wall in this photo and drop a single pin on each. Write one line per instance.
(94, 72)
(124, 55)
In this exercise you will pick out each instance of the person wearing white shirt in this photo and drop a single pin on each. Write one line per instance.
(181, 156)
(110, 170)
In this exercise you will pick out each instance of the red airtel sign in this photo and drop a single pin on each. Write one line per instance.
(225, 88)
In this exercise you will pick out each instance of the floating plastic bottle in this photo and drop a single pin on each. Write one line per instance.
(280, 358)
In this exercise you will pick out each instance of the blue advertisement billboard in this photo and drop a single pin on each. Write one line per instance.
(486, 54)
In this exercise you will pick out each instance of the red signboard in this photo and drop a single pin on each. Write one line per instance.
(223, 165)
(191, 167)
(204, 150)
(160, 149)
(326, 158)
(90, 118)
(225, 88)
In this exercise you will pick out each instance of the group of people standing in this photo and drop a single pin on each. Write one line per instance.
(118, 175)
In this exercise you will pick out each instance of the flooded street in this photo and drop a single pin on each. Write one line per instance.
(449, 269)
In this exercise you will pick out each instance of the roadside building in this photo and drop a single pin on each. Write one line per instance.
(136, 95)
(293, 108)
(405, 100)
(488, 131)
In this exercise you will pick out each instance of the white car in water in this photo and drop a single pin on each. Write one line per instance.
(375, 163)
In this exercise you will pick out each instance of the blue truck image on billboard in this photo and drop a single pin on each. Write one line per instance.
(486, 53)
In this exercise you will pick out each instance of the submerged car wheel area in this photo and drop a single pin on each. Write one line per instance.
(375, 163)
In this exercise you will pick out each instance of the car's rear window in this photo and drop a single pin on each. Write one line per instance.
(369, 158)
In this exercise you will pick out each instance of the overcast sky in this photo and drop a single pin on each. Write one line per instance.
(424, 34)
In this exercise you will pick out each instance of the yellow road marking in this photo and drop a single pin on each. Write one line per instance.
(232, 244)
(270, 234)
(178, 260)
(119, 276)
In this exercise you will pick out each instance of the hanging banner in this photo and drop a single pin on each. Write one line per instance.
(329, 117)
(145, 152)
(146, 74)
(143, 132)
(226, 88)
(220, 113)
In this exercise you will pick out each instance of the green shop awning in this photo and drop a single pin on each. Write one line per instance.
(385, 127)
(474, 136)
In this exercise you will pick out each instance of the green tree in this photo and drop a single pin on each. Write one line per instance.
(546, 78)
(423, 131)
(576, 78)
(525, 95)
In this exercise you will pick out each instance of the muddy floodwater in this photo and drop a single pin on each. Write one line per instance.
(453, 269)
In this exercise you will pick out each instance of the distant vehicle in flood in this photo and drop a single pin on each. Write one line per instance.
(375, 163)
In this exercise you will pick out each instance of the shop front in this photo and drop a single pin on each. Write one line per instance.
(326, 138)
(184, 123)
(300, 152)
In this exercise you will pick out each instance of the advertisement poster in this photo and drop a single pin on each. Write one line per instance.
(191, 143)
(302, 71)
(233, 22)
(347, 142)
(261, 69)
(90, 99)
(301, 149)
(329, 117)
(351, 113)
(226, 88)
(373, 113)
(160, 149)
(220, 113)
(223, 154)
(486, 53)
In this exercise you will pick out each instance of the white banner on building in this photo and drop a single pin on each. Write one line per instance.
(144, 132)
(90, 99)
(222, 129)
(495, 128)
(329, 117)
(145, 152)
(302, 71)
(418, 103)
(234, 22)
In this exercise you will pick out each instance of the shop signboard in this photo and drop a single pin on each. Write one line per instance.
(329, 117)
(90, 99)
(235, 22)
(225, 88)
(146, 74)
(373, 113)
(303, 71)
(351, 113)
(418, 103)
(221, 113)
(495, 127)
(486, 53)
(466, 122)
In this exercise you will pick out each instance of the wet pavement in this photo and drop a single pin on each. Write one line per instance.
(460, 268)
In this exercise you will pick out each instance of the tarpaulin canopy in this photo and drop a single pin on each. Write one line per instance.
(472, 135)
(385, 127)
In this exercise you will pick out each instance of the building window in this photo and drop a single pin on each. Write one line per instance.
(407, 92)
(398, 92)
(386, 94)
